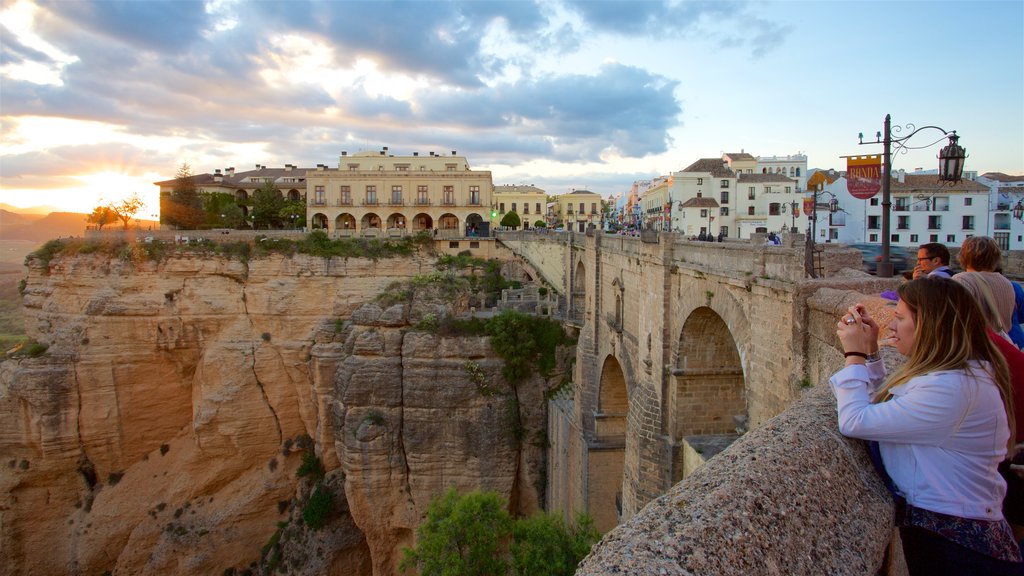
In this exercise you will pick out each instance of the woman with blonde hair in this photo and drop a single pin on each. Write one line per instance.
(943, 422)
(980, 256)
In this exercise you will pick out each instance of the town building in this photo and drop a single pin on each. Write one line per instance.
(576, 210)
(290, 181)
(377, 193)
(793, 166)
(1006, 197)
(529, 202)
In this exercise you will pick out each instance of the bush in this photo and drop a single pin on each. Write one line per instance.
(543, 544)
(511, 220)
(524, 341)
(311, 466)
(319, 508)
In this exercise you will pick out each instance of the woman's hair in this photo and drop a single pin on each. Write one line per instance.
(979, 253)
(950, 330)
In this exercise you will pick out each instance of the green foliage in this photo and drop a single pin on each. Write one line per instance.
(319, 508)
(511, 220)
(127, 208)
(47, 251)
(182, 207)
(293, 214)
(267, 204)
(101, 216)
(524, 341)
(311, 466)
(473, 534)
(540, 224)
(543, 544)
(30, 348)
(461, 536)
(222, 210)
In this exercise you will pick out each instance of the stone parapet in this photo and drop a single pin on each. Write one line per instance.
(792, 497)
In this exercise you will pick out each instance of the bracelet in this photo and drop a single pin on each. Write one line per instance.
(873, 357)
(860, 354)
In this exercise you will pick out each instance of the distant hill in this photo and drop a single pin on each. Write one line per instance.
(53, 225)
(34, 210)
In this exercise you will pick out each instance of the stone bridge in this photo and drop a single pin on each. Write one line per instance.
(682, 344)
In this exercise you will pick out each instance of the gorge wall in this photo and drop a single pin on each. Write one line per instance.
(162, 430)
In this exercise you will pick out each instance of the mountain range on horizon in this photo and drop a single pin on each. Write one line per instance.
(36, 227)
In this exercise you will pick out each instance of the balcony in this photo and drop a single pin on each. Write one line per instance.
(448, 202)
(396, 202)
(370, 202)
(473, 202)
(343, 202)
(318, 202)
(423, 201)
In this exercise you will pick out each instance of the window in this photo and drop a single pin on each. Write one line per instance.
(933, 238)
(593, 207)
(941, 204)
(903, 222)
(526, 207)
(704, 213)
(537, 207)
(951, 238)
(913, 238)
(353, 167)
(789, 189)
(371, 194)
(968, 201)
(872, 237)
(318, 197)
(700, 181)
(346, 195)
(934, 222)
(450, 167)
(514, 207)
(725, 184)
(474, 244)
(773, 209)
(790, 170)
(894, 238)
(873, 201)
(750, 193)
(422, 196)
(1001, 222)
(724, 231)
(474, 195)
(968, 223)
(401, 167)
(396, 194)
(453, 244)
(901, 204)
(725, 197)
(449, 196)
(724, 211)
(767, 189)
(581, 207)
(501, 207)
(873, 222)
(750, 210)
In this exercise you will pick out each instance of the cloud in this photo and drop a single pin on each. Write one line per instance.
(166, 27)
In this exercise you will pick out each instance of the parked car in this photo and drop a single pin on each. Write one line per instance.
(873, 255)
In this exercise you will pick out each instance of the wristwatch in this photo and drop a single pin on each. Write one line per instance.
(873, 357)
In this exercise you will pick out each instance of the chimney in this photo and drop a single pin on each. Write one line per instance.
(385, 148)
(217, 177)
(383, 152)
(231, 171)
(344, 152)
(901, 176)
(288, 167)
(431, 153)
(415, 153)
(258, 166)
(320, 167)
(454, 153)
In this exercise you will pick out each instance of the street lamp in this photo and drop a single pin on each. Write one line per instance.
(951, 167)
(1018, 210)
(833, 207)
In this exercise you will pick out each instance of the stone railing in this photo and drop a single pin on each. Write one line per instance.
(791, 497)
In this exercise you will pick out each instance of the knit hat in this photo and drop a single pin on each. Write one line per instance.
(994, 287)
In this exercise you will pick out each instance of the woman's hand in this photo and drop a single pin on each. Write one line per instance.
(858, 332)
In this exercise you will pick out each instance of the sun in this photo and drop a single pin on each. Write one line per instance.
(101, 188)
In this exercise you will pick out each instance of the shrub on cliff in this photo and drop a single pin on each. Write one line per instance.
(524, 342)
(473, 535)
(319, 508)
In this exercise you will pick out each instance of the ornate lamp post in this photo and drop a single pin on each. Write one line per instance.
(951, 168)
(833, 207)
(1018, 210)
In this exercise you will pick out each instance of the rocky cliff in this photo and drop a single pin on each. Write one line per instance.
(162, 430)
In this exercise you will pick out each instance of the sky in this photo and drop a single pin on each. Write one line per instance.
(98, 100)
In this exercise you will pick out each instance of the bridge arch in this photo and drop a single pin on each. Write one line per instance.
(607, 456)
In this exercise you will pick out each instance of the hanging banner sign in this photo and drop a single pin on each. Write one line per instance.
(863, 176)
(809, 206)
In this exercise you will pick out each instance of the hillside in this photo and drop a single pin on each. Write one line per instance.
(30, 227)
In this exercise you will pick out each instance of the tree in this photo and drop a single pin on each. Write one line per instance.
(101, 216)
(267, 203)
(182, 208)
(294, 213)
(540, 224)
(543, 544)
(222, 211)
(127, 209)
(511, 220)
(461, 536)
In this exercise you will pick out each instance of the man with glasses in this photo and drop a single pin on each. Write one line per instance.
(933, 261)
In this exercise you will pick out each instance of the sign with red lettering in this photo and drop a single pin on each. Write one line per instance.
(809, 206)
(863, 176)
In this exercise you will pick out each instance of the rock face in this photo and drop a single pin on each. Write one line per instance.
(158, 435)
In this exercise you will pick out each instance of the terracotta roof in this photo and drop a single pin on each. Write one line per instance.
(738, 156)
(241, 179)
(714, 166)
(702, 202)
(931, 182)
(765, 178)
(1000, 177)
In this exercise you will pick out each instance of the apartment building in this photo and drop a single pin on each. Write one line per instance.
(576, 210)
(1005, 203)
(794, 166)
(377, 193)
(289, 180)
(529, 202)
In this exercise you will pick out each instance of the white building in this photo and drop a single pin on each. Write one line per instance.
(793, 166)
(1005, 193)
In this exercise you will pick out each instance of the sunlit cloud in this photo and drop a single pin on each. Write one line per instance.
(19, 21)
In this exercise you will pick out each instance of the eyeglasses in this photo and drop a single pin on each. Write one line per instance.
(927, 258)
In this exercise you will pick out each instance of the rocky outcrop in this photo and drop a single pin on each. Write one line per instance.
(159, 434)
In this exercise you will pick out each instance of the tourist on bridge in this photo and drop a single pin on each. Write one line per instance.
(942, 422)
(933, 261)
(979, 256)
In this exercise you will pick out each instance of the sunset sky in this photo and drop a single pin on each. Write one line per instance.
(101, 99)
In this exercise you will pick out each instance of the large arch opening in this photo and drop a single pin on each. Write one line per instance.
(319, 221)
(345, 223)
(708, 400)
(422, 221)
(369, 221)
(607, 457)
(396, 221)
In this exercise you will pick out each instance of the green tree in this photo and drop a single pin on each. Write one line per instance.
(544, 544)
(101, 216)
(182, 207)
(511, 220)
(540, 224)
(267, 203)
(222, 210)
(294, 214)
(461, 536)
(126, 209)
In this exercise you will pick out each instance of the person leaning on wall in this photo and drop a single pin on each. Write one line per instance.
(942, 423)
